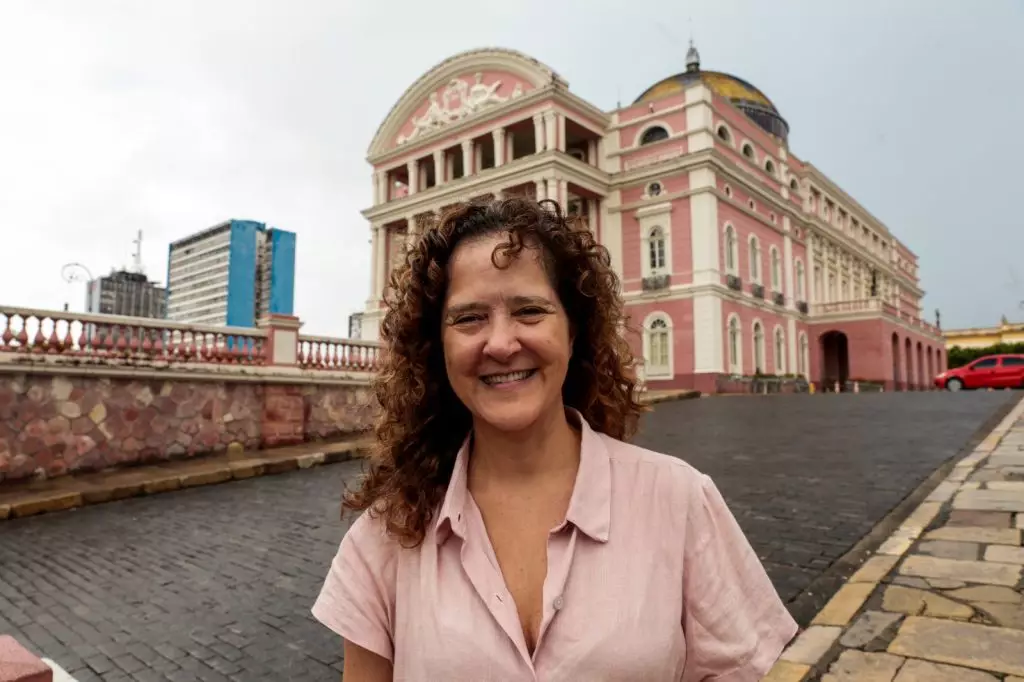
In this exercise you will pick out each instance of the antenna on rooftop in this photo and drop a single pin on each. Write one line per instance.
(137, 255)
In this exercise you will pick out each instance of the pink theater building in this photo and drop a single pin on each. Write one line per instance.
(737, 258)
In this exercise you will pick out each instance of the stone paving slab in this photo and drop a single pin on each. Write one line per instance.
(942, 600)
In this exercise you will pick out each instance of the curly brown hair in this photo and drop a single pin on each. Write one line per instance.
(422, 423)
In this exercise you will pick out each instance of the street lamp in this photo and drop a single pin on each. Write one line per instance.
(72, 273)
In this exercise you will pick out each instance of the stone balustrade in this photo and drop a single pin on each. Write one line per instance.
(82, 392)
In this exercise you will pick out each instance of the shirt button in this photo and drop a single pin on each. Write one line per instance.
(558, 603)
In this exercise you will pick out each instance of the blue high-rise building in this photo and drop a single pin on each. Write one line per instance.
(231, 274)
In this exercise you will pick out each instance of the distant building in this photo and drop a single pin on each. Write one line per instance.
(982, 337)
(355, 326)
(130, 294)
(231, 274)
(737, 258)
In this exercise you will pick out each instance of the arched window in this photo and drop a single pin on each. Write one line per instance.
(769, 167)
(735, 347)
(653, 134)
(728, 191)
(656, 250)
(800, 285)
(780, 351)
(731, 250)
(803, 357)
(659, 348)
(758, 348)
(755, 260)
(748, 150)
(793, 185)
(724, 135)
(776, 270)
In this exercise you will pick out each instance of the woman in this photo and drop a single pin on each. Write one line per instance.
(510, 533)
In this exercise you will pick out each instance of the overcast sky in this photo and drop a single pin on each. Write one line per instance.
(169, 117)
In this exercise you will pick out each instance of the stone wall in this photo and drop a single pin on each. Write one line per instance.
(56, 424)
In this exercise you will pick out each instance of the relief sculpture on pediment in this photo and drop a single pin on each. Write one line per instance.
(458, 100)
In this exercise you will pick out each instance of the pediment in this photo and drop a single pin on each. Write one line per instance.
(456, 89)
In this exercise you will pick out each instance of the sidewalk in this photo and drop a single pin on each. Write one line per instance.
(75, 490)
(942, 600)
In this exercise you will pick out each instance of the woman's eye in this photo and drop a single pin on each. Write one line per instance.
(467, 319)
(531, 312)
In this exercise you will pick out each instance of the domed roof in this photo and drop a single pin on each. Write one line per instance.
(742, 94)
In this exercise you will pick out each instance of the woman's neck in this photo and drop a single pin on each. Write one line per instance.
(550, 446)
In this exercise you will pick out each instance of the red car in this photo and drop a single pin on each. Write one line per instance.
(991, 371)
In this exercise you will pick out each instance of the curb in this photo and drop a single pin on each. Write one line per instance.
(198, 473)
(669, 396)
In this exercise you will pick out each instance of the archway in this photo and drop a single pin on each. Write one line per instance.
(835, 351)
(922, 378)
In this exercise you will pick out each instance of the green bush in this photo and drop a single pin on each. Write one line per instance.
(958, 357)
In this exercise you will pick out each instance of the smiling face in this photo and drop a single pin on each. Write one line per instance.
(506, 337)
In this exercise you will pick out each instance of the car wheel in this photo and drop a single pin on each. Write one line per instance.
(954, 385)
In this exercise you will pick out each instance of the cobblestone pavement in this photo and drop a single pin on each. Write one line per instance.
(942, 598)
(216, 583)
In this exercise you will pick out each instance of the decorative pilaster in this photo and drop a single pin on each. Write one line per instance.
(538, 133)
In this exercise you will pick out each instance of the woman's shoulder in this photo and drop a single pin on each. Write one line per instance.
(369, 539)
(629, 457)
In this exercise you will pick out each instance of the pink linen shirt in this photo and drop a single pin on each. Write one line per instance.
(649, 578)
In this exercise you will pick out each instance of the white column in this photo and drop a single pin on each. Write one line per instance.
(380, 255)
(538, 133)
(449, 166)
(478, 157)
(499, 147)
(812, 296)
(560, 142)
(542, 189)
(467, 158)
(704, 228)
(592, 154)
(412, 170)
(611, 230)
(563, 194)
(550, 131)
(439, 175)
(551, 188)
(787, 263)
(376, 188)
(793, 347)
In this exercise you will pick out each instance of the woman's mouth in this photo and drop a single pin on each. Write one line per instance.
(508, 379)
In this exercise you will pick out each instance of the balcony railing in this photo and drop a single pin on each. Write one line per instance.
(873, 305)
(33, 332)
(344, 355)
(655, 282)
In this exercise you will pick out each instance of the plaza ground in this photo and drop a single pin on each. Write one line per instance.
(215, 583)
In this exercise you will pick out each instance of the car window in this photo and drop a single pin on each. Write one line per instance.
(988, 362)
(1013, 362)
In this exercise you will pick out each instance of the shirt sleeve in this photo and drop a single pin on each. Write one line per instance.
(734, 623)
(357, 598)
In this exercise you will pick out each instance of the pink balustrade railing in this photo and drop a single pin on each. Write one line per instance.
(31, 332)
(345, 355)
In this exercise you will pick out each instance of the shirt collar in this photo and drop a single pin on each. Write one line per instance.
(590, 504)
